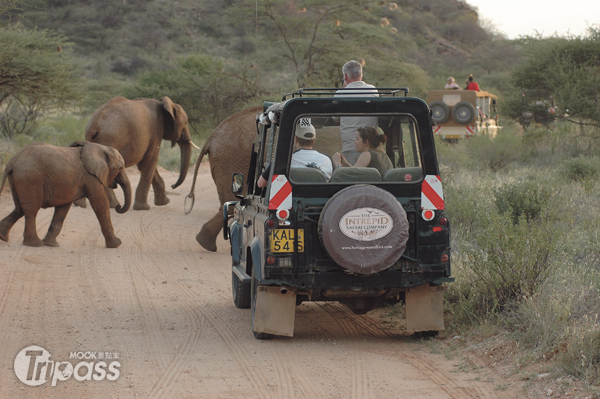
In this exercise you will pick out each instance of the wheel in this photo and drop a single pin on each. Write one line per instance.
(241, 292)
(254, 286)
(463, 112)
(363, 229)
(440, 112)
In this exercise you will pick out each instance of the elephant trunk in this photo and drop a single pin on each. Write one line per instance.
(123, 181)
(186, 155)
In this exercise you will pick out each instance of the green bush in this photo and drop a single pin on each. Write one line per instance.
(61, 131)
(581, 169)
(495, 153)
(522, 198)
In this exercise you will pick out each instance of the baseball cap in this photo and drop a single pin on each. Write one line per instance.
(305, 130)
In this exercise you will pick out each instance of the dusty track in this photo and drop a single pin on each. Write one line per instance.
(164, 305)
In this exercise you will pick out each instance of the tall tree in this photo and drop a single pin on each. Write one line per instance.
(315, 37)
(566, 68)
(37, 74)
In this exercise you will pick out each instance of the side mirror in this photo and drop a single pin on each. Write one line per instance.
(237, 184)
(494, 102)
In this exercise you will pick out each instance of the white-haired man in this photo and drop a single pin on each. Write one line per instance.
(353, 76)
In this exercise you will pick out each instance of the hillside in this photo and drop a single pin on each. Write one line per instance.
(417, 43)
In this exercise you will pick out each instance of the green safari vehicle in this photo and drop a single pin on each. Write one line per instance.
(359, 236)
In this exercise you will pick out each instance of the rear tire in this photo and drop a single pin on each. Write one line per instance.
(241, 292)
(254, 286)
(440, 112)
(463, 113)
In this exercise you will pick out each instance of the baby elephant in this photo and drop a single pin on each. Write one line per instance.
(42, 176)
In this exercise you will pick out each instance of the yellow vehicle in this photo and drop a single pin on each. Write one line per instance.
(463, 113)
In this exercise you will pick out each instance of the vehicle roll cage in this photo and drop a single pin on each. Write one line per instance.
(330, 91)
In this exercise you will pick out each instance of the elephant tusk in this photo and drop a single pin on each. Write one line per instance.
(194, 145)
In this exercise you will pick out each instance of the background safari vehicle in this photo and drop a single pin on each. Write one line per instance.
(359, 238)
(463, 113)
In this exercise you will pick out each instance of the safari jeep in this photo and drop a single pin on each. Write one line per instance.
(359, 238)
(463, 113)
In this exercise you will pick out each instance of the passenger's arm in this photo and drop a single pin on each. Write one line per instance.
(363, 160)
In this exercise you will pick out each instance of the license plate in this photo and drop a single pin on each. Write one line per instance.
(453, 136)
(282, 240)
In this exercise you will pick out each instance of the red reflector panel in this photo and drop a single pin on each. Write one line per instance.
(437, 229)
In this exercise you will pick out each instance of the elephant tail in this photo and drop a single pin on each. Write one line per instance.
(203, 152)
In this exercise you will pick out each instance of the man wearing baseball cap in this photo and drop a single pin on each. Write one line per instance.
(304, 156)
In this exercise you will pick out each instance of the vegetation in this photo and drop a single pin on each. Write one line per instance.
(524, 227)
(526, 249)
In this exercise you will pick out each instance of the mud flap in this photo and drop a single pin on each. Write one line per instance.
(424, 308)
(275, 312)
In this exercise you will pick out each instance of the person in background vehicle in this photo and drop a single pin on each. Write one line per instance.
(367, 143)
(451, 84)
(471, 84)
(353, 75)
(304, 156)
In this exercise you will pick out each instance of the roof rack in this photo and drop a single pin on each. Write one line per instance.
(384, 91)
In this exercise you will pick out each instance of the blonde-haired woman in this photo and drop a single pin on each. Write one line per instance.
(451, 84)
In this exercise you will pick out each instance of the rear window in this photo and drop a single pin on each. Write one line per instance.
(397, 159)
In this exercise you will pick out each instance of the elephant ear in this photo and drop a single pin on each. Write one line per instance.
(98, 160)
(175, 119)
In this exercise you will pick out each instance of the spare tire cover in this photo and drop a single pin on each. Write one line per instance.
(440, 112)
(364, 229)
(463, 112)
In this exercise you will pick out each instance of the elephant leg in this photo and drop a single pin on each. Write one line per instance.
(60, 213)
(141, 192)
(30, 237)
(207, 237)
(160, 193)
(80, 203)
(101, 209)
(8, 222)
(112, 198)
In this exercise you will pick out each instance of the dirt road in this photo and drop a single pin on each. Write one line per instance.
(158, 312)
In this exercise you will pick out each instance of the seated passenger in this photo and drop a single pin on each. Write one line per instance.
(451, 84)
(304, 156)
(367, 142)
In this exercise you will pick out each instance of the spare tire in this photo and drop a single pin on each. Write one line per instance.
(463, 112)
(440, 112)
(363, 229)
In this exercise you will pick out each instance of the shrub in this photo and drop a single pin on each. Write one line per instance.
(523, 198)
(581, 169)
(495, 153)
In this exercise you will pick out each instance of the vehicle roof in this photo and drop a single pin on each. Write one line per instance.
(436, 93)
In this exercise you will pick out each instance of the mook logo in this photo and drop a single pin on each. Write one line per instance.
(34, 367)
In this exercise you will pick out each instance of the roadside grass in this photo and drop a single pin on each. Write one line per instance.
(526, 244)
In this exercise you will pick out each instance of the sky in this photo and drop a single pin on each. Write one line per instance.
(524, 17)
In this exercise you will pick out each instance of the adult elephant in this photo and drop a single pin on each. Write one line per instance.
(136, 129)
(228, 148)
(43, 176)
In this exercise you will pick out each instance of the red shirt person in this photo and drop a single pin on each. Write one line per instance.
(472, 85)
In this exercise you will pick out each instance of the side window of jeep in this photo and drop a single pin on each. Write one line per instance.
(395, 152)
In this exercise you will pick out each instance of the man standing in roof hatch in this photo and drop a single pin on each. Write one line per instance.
(353, 75)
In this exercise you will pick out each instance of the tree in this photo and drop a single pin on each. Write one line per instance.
(316, 37)
(206, 88)
(37, 75)
(566, 68)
